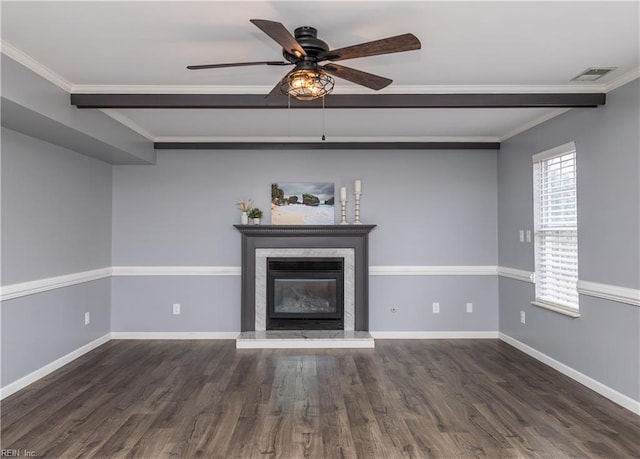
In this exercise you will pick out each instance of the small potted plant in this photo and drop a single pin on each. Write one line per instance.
(255, 214)
(245, 206)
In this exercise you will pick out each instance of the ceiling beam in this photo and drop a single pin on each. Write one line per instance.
(327, 145)
(257, 101)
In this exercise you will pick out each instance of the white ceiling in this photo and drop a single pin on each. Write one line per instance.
(467, 47)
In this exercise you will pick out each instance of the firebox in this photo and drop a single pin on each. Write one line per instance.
(305, 294)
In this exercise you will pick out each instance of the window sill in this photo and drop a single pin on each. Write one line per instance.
(559, 309)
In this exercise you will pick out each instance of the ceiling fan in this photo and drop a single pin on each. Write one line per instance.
(308, 80)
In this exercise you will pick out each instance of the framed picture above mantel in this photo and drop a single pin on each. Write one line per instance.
(300, 203)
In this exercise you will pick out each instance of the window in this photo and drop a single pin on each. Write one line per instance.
(556, 229)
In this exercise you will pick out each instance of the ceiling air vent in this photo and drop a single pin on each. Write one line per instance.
(593, 73)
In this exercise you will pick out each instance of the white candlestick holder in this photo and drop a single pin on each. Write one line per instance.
(343, 220)
(357, 221)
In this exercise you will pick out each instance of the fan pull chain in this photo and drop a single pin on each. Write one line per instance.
(289, 115)
(323, 137)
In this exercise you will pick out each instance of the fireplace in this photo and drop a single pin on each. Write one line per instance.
(305, 294)
(261, 243)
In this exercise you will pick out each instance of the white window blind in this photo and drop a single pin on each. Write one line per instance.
(556, 227)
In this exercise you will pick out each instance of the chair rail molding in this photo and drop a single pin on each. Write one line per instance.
(9, 292)
(517, 274)
(176, 270)
(610, 292)
(446, 270)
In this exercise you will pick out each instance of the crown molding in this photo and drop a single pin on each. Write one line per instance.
(128, 122)
(351, 89)
(40, 69)
(574, 87)
(533, 123)
(622, 79)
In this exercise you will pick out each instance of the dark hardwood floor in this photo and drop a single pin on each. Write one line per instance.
(413, 399)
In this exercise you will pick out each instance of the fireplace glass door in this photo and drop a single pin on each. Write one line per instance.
(305, 293)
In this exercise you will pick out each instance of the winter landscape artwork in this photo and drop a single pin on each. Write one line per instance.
(302, 203)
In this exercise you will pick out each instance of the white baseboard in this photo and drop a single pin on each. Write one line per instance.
(174, 335)
(602, 389)
(434, 334)
(51, 367)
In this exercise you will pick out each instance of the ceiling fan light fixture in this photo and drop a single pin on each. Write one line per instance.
(307, 84)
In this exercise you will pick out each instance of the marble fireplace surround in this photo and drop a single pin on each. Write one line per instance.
(261, 279)
(260, 242)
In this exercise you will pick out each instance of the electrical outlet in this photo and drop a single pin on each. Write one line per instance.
(176, 309)
(528, 235)
(522, 317)
(436, 308)
(87, 318)
(469, 307)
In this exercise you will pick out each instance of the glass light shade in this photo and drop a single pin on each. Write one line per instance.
(307, 84)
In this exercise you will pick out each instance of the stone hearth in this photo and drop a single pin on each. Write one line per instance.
(304, 339)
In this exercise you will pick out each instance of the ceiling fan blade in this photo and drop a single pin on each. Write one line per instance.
(357, 76)
(235, 64)
(397, 44)
(280, 34)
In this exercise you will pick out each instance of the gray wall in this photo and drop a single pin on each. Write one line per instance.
(604, 343)
(431, 208)
(412, 298)
(39, 329)
(56, 207)
(56, 220)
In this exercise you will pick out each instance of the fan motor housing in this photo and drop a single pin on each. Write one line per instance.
(308, 39)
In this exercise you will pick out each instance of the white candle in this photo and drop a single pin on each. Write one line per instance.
(358, 186)
(343, 193)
